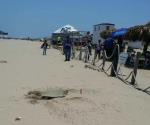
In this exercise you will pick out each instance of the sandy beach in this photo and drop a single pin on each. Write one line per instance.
(103, 101)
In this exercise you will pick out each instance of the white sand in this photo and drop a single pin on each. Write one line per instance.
(104, 100)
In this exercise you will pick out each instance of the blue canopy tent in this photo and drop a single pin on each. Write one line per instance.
(119, 33)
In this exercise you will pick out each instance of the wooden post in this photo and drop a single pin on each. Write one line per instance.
(136, 62)
(80, 54)
(73, 52)
(104, 59)
(115, 62)
(94, 58)
(86, 54)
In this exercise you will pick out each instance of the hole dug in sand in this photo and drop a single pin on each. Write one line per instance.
(53, 93)
(46, 95)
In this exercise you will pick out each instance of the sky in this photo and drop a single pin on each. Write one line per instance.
(39, 18)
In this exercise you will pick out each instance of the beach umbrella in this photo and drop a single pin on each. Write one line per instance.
(119, 32)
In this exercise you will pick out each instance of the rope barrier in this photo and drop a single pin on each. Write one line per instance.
(134, 78)
(120, 72)
(117, 46)
(128, 76)
(101, 67)
(125, 80)
(108, 68)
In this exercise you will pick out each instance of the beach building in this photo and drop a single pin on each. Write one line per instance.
(98, 28)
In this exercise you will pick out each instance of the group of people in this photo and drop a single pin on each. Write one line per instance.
(68, 47)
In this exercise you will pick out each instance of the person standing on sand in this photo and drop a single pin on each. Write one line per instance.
(44, 47)
(89, 42)
(67, 45)
(98, 50)
(120, 43)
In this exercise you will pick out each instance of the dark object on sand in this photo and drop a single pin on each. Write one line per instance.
(3, 61)
(18, 118)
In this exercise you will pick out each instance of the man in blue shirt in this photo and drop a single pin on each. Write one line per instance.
(108, 46)
(67, 45)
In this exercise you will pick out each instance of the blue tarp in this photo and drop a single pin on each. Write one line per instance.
(119, 32)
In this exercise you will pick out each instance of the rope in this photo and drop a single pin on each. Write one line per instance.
(147, 88)
(117, 46)
(102, 66)
(119, 70)
(108, 68)
(134, 78)
(128, 76)
(93, 61)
